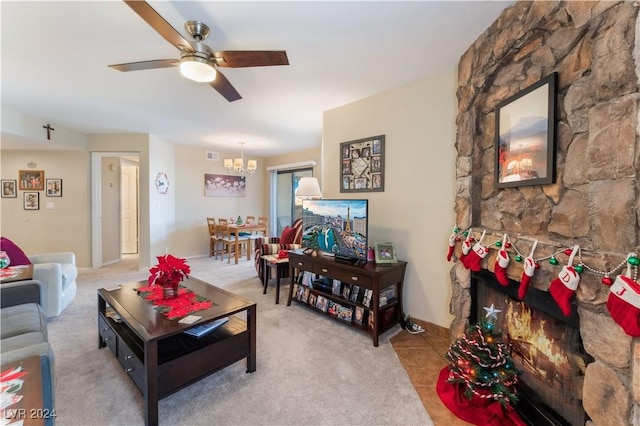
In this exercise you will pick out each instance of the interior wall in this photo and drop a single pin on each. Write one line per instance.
(191, 235)
(414, 211)
(66, 226)
(110, 209)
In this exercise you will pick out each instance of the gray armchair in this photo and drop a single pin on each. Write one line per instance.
(57, 272)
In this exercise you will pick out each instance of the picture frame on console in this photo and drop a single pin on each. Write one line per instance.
(385, 253)
(525, 136)
(362, 165)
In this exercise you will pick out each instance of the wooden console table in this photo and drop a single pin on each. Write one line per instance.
(377, 278)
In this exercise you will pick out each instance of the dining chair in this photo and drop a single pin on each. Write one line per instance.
(214, 238)
(262, 221)
(229, 240)
(251, 220)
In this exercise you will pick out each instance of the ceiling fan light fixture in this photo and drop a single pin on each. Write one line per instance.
(197, 69)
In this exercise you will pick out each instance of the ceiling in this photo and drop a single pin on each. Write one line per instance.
(55, 56)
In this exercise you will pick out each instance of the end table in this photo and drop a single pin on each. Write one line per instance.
(279, 265)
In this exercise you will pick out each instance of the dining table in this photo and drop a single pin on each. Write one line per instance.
(235, 229)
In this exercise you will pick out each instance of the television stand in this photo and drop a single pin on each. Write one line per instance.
(347, 259)
(381, 309)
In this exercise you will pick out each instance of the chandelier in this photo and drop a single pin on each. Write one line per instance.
(237, 164)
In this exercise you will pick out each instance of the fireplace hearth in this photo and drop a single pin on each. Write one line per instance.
(545, 345)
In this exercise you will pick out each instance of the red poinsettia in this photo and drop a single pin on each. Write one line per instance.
(170, 270)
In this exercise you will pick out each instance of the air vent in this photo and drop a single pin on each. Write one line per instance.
(213, 156)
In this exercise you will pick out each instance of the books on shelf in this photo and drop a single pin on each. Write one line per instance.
(312, 299)
(366, 300)
(322, 303)
(336, 287)
(355, 294)
(345, 313)
(201, 330)
(360, 316)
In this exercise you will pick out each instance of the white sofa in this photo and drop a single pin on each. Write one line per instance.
(57, 272)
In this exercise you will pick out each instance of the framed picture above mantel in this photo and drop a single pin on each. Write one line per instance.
(525, 141)
(362, 165)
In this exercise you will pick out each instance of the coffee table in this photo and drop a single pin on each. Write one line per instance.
(155, 352)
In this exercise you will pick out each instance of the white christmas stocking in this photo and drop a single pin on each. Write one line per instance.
(502, 261)
(527, 273)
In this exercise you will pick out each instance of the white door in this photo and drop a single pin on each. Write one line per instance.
(129, 202)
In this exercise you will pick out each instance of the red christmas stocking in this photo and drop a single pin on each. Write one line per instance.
(527, 273)
(502, 261)
(452, 245)
(624, 304)
(473, 260)
(564, 287)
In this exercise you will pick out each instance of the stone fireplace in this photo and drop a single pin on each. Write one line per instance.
(594, 202)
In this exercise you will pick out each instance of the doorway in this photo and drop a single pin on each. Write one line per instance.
(288, 209)
(106, 206)
(129, 206)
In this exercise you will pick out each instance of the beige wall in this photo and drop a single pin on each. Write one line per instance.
(191, 236)
(65, 227)
(414, 211)
(110, 209)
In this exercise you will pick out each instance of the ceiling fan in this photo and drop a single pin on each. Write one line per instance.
(197, 61)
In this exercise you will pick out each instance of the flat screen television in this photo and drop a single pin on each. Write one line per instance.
(337, 227)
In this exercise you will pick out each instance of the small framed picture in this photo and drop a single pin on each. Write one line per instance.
(385, 253)
(31, 201)
(54, 187)
(31, 180)
(9, 188)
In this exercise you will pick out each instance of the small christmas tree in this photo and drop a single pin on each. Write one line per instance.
(480, 360)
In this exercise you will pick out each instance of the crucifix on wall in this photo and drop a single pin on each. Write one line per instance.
(49, 130)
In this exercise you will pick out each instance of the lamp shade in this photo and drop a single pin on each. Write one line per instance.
(308, 187)
(228, 163)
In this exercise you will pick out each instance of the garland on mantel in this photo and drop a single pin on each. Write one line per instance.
(505, 242)
(624, 297)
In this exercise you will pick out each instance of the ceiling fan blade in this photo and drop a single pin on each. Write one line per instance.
(224, 87)
(159, 24)
(250, 58)
(146, 65)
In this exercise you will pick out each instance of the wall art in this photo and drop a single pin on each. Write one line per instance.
(224, 185)
(54, 187)
(362, 165)
(31, 180)
(9, 188)
(31, 201)
(525, 149)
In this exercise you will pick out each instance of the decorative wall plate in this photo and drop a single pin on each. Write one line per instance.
(162, 183)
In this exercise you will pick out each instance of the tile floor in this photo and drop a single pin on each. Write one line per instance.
(422, 355)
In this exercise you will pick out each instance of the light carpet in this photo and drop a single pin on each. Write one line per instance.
(311, 370)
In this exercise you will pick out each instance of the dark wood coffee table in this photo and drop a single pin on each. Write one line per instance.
(154, 351)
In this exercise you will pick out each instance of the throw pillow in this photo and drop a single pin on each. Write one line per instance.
(16, 255)
(288, 235)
